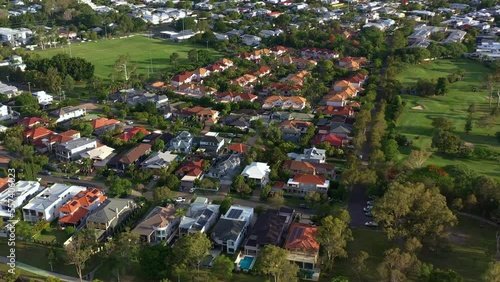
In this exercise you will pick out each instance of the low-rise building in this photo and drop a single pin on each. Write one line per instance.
(258, 172)
(16, 195)
(159, 161)
(199, 218)
(267, 230)
(43, 98)
(109, 215)
(68, 113)
(231, 229)
(75, 211)
(303, 248)
(302, 184)
(72, 150)
(161, 224)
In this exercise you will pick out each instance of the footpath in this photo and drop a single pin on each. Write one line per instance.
(40, 272)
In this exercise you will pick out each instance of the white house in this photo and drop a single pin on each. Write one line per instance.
(312, 155)
(304, 183)
(72, 150)
(45, 206)
(67, 113)
(159, 160)
(231, 229)
(250, 40)
(15, 196)
(8, 90)
(199, 218)
(43, 98)
(5, 112)
(98, 154)
(257, 171)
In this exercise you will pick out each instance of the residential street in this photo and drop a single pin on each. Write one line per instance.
(82, 182)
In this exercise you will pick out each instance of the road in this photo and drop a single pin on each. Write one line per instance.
(82, 182)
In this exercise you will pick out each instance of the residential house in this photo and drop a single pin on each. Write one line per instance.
(72, 150)
(225, 165)
(279, 51)
(353, 63)
(134, 156)
(316, 53)
(111, 213)
(200, 114)
(35, 133)
(228, 96)
(182, 78)
(201, 73)
(8, 91)
(250, 40)
(195, 90)
(70, 112)
(182, 143)
(45, 206)
(268, 230)
(43, 98)
(103, 125)
(258, 172)
(312, 155)
(199, 218)
(159, 161)
(300, 167)
(263, 71)
(245, 80)
(133, 97)
(237, 121)
(48, 142)
(282, 89)
(29, 122)
(294, 102)
(303, 248)
(293, 129)
(75, 211)
(98, 154)
(341, 129)
(212, 143)
(304, 183)
(231, 229)
(129, 133)
(16, 195)
(332, 139)
(346, 111)
(238, 148)
(190, 170)
(161, 224)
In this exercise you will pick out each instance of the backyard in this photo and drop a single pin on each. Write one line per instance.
(148, 54)
(416, 123)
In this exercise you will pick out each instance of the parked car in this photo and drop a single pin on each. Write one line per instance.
(369, 214)
(368, 208)
(371, 224)
(76, 177)
(304, 206)
(180, 199)
(191, 191)
(156, 177)
(369, 203)
(66, 177)
(129, 122)
(46, 172)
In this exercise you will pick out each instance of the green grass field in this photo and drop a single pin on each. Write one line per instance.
(416, 124)
(146, 53)
(470, 250)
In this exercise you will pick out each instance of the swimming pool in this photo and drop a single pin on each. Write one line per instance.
(247, 262)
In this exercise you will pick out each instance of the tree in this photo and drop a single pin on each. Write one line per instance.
(277, 200)
(390, 148)
(12, 276)
(486, 122)
(468, 124)
(446, 142)
(54, 279)
(174, 59)
(158, 145)
(192, 249)
(359, 265)
(78, 252)
(272, 261)
(123, 64)
(24, 230)
(156, 261)
(51, 255)
(222, 267)
(225, 205)
(120, 186)
(441, 86)
(438, 275)
(193, 55)
(397, 265)
(493, 272)
(333, 235)
(411, 210)
(264, 193)
(240, 186)
(417, 159)
(124, 250)
(26, 104)
(162, 193)
(442, 124)
(69, 83)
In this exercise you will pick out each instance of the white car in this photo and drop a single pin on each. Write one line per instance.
(369, 203)
(180, 199)
(191, 191)
(371, 224)
(368, 208)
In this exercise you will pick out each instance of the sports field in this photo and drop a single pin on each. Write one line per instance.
(148, 54)
(416, 123)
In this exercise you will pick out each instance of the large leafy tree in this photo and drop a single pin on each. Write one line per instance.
(222, 267)
(78, 252)
(191, 250)
(155, 261)
(333, 235)
(397, 265)
(272, 261)
(493, 272)
(412, 210)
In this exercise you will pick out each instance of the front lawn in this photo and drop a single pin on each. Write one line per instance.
(416, 123)
(50, 235)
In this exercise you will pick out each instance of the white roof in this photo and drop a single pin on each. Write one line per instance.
(52, 195)
(256, 170)
(99, 153)
(159, 160)
(16, 194)
(240, 213)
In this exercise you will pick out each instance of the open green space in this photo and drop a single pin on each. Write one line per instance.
(50, 235)
(150, 55)
(468, 250)
(416, 124)
(24, 274)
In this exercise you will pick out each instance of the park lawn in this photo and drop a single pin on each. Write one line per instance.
(416, 124)
(148, 54)
(52, 233)
(24, 274)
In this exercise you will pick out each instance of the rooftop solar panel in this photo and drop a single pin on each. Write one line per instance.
(234, 213)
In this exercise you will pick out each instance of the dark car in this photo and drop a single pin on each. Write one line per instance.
(76, 177)
(304, 206)
(46, 172)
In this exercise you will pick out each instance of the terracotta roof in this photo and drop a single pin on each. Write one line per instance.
(238, 147)
(135, 153)
(30, 121)
(333, 139)
(305, 167)
(158, 84)
(182, 77)
(100, 122)
(37, 132)
(131, 133)
(4, 183)
(84, 198)
(74, 217)
(191, 168)
(301, 237)
(310, 179)
(69, 133)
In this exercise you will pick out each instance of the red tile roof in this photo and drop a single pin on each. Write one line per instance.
(30, 121)
(74, 217)
(191, 168)
(100, 122)
(333, 139)
(69, 133)
(301, 237)
(37, 132)
(238, 147)
(4, 183)
(309, 179)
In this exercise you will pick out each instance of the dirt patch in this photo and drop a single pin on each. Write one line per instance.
(89, 106)
(419, 108)
(458, 238)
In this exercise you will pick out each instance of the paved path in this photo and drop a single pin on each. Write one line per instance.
(40, 272)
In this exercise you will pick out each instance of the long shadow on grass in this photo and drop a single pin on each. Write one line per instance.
(416, 130)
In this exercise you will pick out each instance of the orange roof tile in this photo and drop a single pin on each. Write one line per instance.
(238, 147)
(310, 179)
(301, 237)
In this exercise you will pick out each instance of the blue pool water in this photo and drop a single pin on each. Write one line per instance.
(246, 262)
